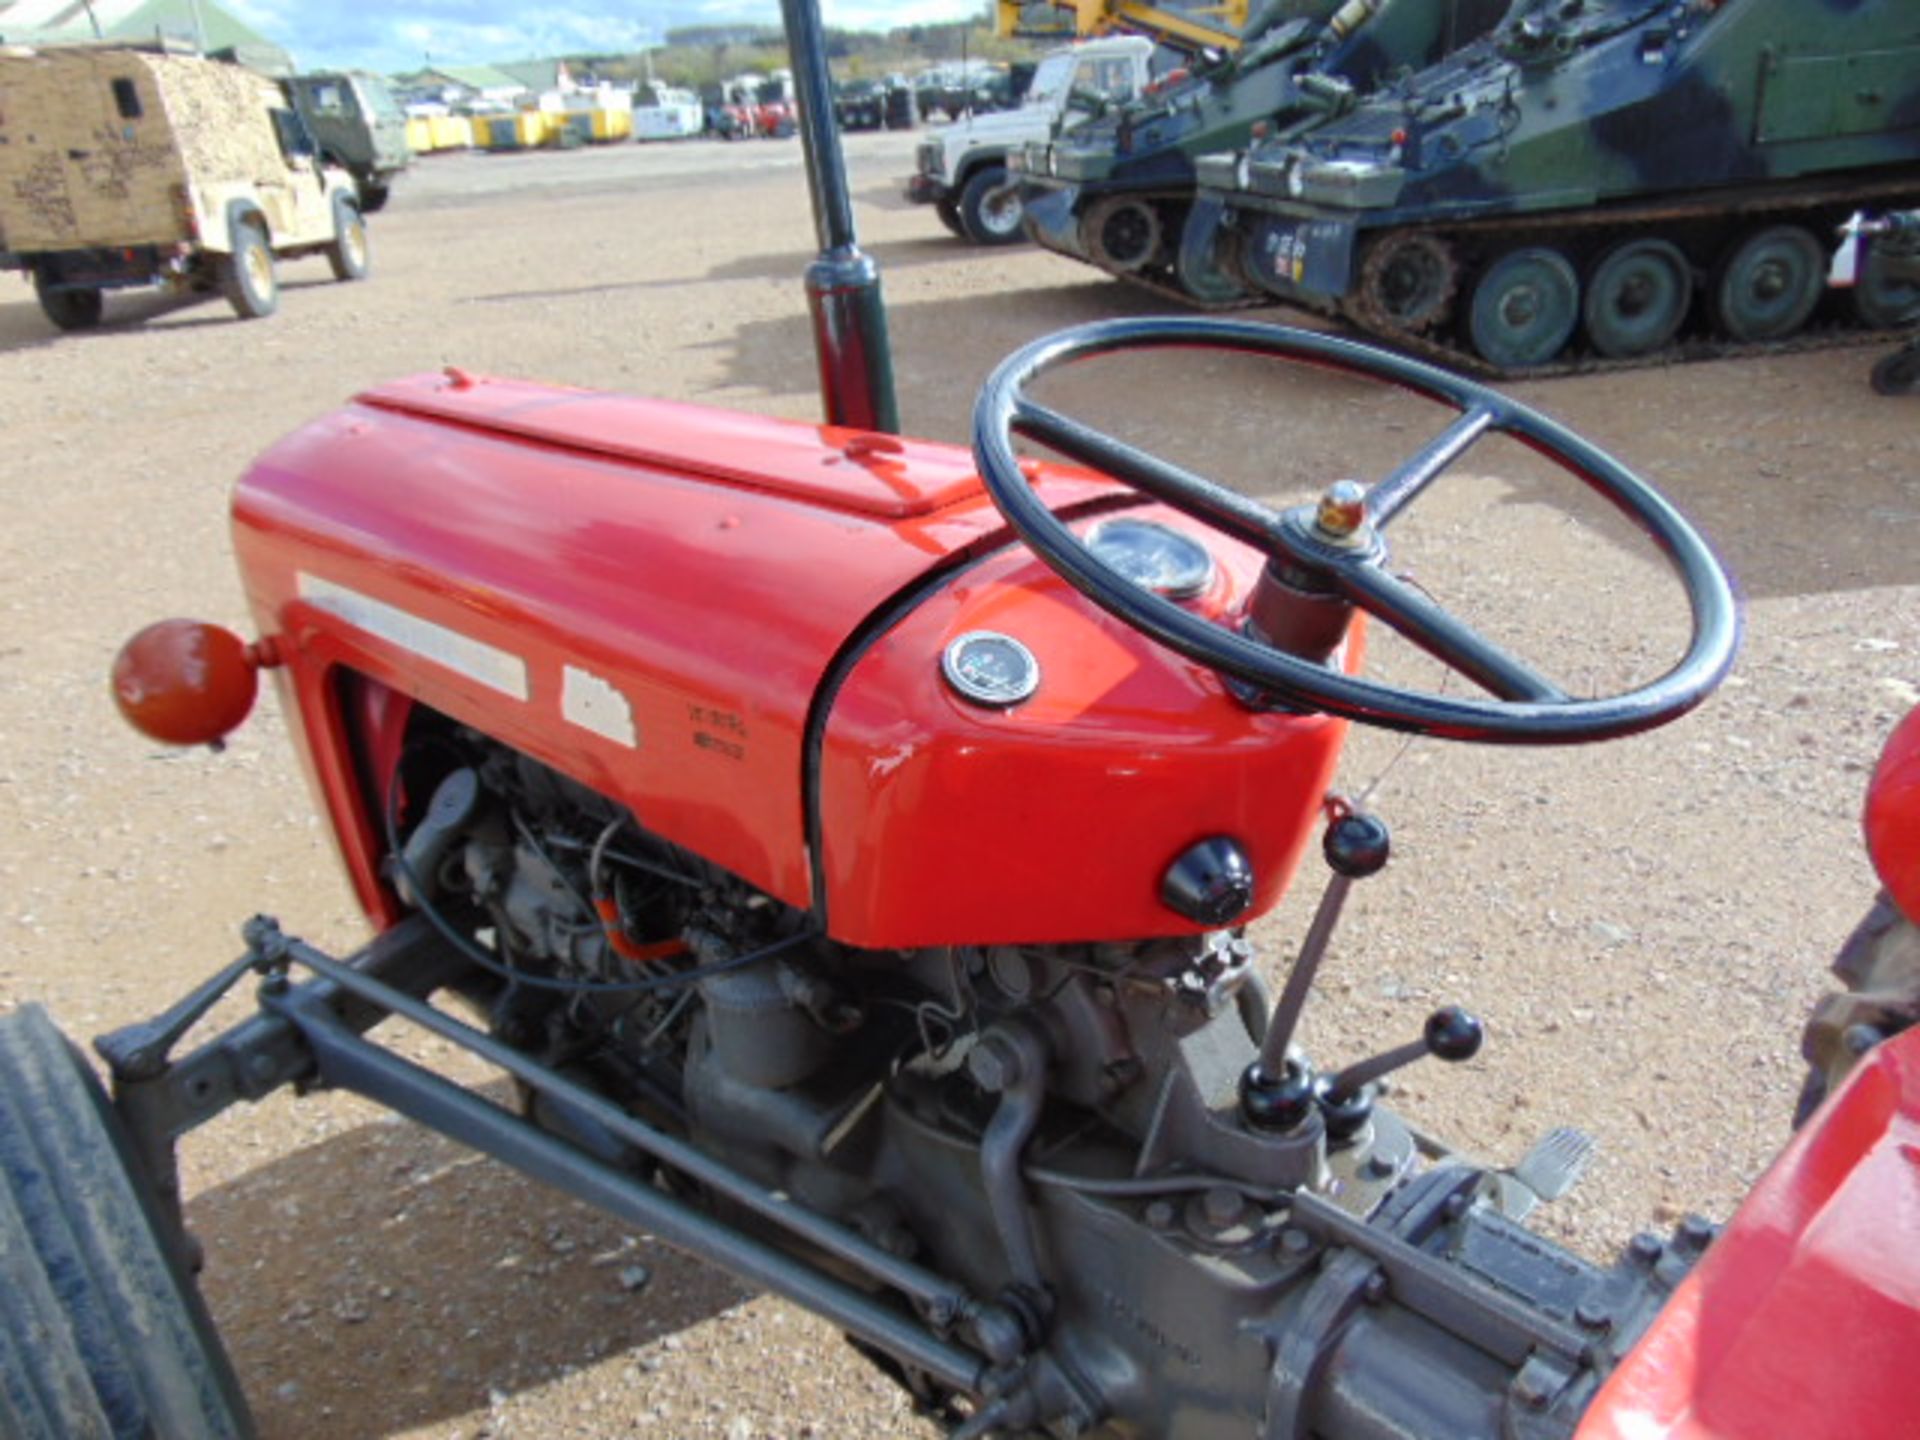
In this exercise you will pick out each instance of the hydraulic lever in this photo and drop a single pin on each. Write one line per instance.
(1346, 1098)
(1276, 1092)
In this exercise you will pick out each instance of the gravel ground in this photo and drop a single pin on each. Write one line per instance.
(1643, 924)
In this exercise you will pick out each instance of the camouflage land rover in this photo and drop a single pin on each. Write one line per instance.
(123, 168)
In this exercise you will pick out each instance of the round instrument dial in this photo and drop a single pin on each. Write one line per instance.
(1154, 557)
(989, 668)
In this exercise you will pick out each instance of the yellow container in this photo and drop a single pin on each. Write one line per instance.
(612, 125)
(510, 132)
(420, 135)
(450, 132)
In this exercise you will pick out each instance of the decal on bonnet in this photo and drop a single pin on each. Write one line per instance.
(495, 668)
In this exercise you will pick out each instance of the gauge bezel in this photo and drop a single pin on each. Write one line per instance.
(1191, 591)
(977, 695)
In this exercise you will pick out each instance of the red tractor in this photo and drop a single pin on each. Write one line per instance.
(788, 932)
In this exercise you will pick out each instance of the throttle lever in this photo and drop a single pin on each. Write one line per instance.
(1451, 1034)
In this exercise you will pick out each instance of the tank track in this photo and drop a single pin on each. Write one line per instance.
(1158, 280)
(1810, 205)
(1820, 207)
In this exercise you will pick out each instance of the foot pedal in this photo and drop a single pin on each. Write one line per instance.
(1546, 1172)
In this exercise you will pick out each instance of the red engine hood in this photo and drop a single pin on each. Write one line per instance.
(484, 545)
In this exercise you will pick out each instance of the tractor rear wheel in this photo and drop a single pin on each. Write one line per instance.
(102, 1333)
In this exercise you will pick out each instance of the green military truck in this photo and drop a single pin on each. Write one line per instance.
(123, 168)
(358, 125)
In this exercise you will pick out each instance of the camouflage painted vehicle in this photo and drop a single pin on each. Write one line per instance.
(1599, 181)
(1118, 191)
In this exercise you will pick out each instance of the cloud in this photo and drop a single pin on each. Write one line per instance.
(402, 34)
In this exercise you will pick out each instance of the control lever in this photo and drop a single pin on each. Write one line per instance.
(1346, 1099)
(1277, 1093)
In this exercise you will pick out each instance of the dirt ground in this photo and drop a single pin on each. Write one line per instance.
(1643, 925)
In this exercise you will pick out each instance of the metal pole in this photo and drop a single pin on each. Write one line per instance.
(843, 283)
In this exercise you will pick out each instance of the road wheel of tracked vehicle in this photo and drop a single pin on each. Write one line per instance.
(1524, 308)
(1887, 294)
(1898, 373)
(1407, 283)
(1768, 284)
(248, 278)
(949, 214)
(990, 208)
(70, 309)
(102, 1334)
(349, 254)
(1122, 234)
(1880, 964)
(1637, 295)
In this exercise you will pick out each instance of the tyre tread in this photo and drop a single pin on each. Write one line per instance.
(115, 1316)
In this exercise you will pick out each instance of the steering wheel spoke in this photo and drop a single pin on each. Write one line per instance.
(1206, 501)
(1392, 494)
(1445, 636)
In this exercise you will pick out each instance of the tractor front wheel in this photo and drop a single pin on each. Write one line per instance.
(102, 1332)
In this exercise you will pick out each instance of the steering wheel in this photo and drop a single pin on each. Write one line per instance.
(1335, 548)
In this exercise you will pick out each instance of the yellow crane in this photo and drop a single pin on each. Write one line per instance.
(1214, 26)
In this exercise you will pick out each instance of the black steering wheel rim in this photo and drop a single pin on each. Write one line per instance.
(1535, 713)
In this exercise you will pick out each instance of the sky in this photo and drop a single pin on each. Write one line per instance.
(395, 35)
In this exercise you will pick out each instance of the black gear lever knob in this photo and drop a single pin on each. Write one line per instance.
(1452, 1034)
(1357, 845)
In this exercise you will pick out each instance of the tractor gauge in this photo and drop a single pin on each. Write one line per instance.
(989, 668)
(1154, 557)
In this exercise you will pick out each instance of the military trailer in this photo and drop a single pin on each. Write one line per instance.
(358, 125)
(123, 169)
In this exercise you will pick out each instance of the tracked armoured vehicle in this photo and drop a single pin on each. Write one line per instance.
(1599, 181)
(1117, 192)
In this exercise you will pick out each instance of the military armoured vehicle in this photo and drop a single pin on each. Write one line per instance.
(1117, 192)
(1599, 181)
